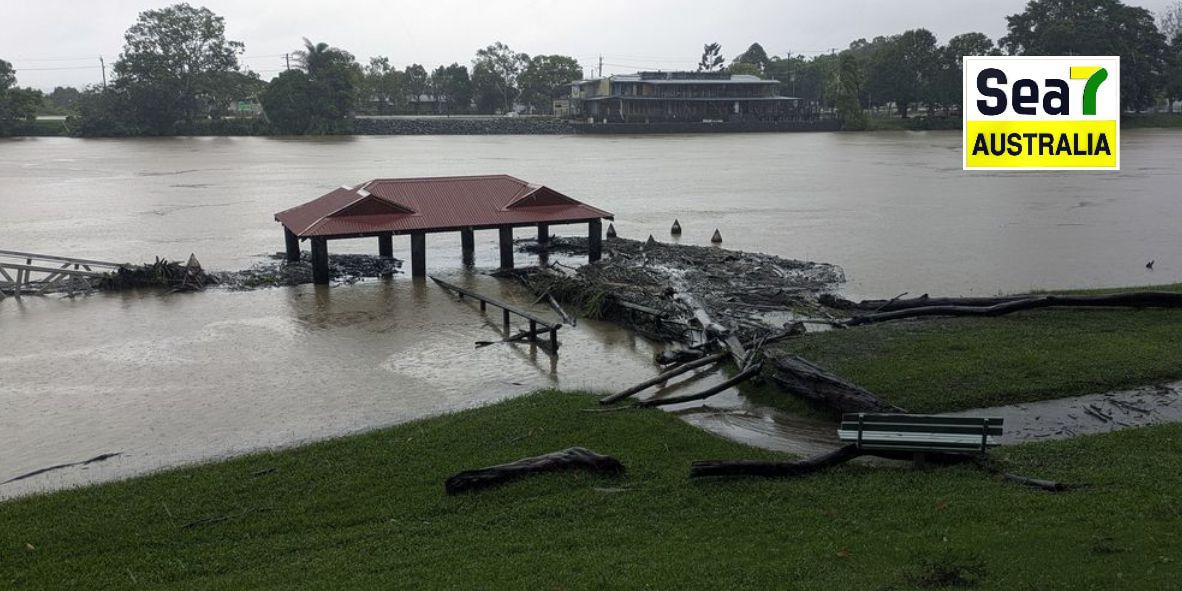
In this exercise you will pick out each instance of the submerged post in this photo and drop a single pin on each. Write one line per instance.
(418, 254)
(293, 245)
(468, 245)
(320, 261)
(594, 240)
(543, 233)
(386, 246)
(506, 233)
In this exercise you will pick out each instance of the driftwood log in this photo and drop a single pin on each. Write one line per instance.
(739, 378)
(803, 378)
(841, 455)
(665, 376)
(574, 458)
(925, 306)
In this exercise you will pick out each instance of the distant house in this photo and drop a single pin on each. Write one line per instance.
(678, 96)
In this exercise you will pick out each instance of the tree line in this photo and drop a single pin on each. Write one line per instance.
(179, 74)
(911, 69)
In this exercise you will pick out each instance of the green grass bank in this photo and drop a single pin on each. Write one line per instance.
(368, 512)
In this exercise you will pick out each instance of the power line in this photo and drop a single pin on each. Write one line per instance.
(52, 69)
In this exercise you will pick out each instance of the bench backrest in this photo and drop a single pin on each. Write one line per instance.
(907, 432)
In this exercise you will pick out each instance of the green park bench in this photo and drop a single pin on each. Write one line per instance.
(920, 434)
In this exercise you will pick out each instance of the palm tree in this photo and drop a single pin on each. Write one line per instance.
(318, 58)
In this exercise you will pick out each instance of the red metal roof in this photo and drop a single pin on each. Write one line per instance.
(433, 204)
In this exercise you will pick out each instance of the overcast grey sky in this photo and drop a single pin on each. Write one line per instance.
(57, 42)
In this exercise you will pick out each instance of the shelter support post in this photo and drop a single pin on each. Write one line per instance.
(594, 240)
(468, 245)
(293, 245)
(506, 233)
(418, 254)
(543, 233)
(320, 261)
(386, 246)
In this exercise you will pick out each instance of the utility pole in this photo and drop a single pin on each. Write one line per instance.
(601, 65)
(103, 66)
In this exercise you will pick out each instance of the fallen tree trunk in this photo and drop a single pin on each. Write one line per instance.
(1001, 306)
(924, 300)
(665, 376)
(841, 455)
(739, 378)
(574, 458)
(803, 378)
(704, 468)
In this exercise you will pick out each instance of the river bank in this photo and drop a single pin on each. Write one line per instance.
(368, 509)
(541, 125)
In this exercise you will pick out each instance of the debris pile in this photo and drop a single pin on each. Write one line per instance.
(342, 268)
(682, 293)
(177, 276)
(189, 276)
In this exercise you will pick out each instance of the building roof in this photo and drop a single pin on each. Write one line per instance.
(626, 97)
(682, 78)
(434, 204)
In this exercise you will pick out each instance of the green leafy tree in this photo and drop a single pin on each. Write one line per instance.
(381, 88)
(453, 85)
(545, 77)
(335, 77)
(494, 77)
(1169, 22)
(754, 56)
(947, 85)
(745, 69)
(900, 68)
(63, 100)
(176, 64)
(711, 58)
(488, 89)
(102, 112)
(1095, 27)
(317, 98)
(290, 102)
(806, 79)
(415, 83)
(17, 105)
(847, 92)
(1172, 86)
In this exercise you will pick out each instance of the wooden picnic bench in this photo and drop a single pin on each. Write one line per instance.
(920, 433)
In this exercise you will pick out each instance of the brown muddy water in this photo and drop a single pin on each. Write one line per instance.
(169, 379)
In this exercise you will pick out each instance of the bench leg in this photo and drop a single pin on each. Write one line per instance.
(920, 460)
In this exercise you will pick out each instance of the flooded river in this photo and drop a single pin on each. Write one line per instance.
(183, 377)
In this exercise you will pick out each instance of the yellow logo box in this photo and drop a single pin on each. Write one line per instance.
(1041, 144)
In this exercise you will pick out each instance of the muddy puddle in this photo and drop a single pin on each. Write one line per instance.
(1085, 415)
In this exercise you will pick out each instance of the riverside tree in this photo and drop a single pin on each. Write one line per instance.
(494, 77)
(711, 58)
(380, 88)
(17, 105)
(542, 78)
(319, 96)
(1095, 27)
(453, 87)
(177, 65)
(755, 56)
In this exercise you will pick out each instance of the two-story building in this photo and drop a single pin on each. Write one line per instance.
(678, 96)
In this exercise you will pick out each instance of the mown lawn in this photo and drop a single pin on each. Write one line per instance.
(944, 364)
(368, 512)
